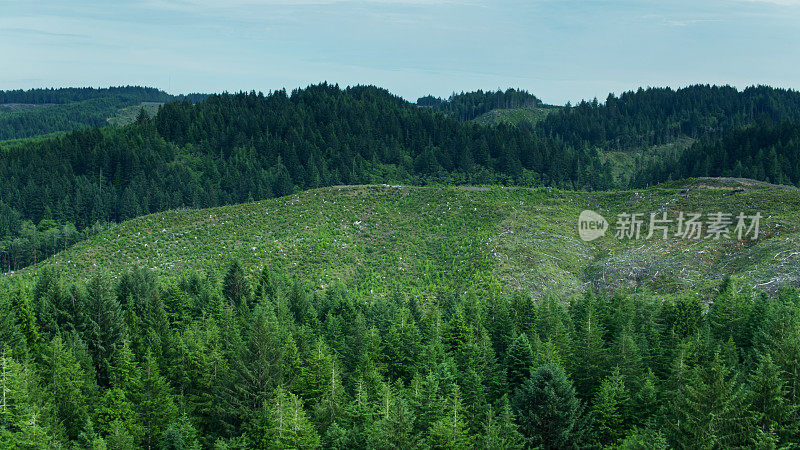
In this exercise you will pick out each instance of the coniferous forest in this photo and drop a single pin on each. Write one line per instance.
(263, 361)
(259, 357)
(231, 148)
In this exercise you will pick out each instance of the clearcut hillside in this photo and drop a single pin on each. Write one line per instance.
(421, 240)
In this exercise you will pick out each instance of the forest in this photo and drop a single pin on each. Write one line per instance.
(469, 105)
(262, 360)
(232, 148)
(37, 112)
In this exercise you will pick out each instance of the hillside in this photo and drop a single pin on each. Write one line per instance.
(514, 116)
(237, 148)
(37, 112)
(422, 239)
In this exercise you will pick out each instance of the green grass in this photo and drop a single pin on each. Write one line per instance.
(421, 240)
(514, 116)
(128, 114)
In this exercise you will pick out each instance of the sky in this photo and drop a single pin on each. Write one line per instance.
(559, 50)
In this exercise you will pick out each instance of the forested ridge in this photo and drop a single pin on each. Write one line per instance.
(654, 116)
(260, 360)
(469, 105)
(28, 113)
(248, 146)
(230, 356)
(233, 148)
(768, 151)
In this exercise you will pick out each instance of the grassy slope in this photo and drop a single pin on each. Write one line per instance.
(422, 239)
(128, 114)
(514, 116)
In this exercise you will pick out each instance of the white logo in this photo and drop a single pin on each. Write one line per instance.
(591, 225)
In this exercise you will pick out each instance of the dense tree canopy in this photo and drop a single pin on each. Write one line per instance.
(187, 363)
(41, 111)
(469, 105)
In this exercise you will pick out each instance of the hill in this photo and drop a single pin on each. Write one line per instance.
(235, 148)
(514, 116)
(424, 239)
(36, 112)
(471, 105)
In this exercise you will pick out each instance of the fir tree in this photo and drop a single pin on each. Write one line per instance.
(548, 412)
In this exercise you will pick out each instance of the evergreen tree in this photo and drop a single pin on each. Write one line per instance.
(500, 431)
(548, 412)
(156, 407)
(611, 409)
(711, 410)
(767, 399)
(235, 287)
(103, 326)
(451, 431)
(66, 388)
(519, 362)
(292, 429)
(393, 425)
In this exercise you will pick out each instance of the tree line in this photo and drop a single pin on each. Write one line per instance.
(262, 360)
(70, 95)
(469, 105)
(640, 119)
(766, 151)
(67, 109)
(233, 148)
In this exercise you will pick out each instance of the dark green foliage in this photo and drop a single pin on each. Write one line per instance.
(549, 413)
(469, 105)
(711, 409)
(519, 362)
(234, 148)
(310, 368)
(234, 287)
(766, 150)
(656, 116)
(42, 111)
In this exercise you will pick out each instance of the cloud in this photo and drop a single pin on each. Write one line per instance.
(687, 22)
(775, 2)
(233, 4)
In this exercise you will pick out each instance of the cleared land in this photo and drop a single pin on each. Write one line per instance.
(423, 239)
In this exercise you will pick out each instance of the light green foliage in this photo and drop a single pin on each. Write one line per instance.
(433, 238)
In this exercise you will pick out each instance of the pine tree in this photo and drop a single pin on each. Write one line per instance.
(767, 398)
(500, 432)
(588, 359)
(729, 313)
(234, 286)
(393, 423)
(711, 409)
(24, 417)
(548, 412)
(65, 383)
(402, 347)
(646, 400)
(451, 431)
(25, 320)
(611, 409)
(180, 435)
(519, 362)
(292, 429)
(156, 407)
(116, 410)
(102, 325)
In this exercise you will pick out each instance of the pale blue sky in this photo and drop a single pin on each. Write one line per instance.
(558, 49)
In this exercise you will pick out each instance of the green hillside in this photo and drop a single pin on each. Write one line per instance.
(128, 114)
(514, 116)
(423, 239)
